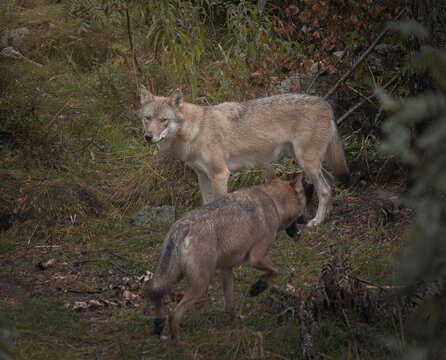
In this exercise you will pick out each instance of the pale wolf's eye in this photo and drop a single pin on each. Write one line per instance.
(163, 121)
(147, 118)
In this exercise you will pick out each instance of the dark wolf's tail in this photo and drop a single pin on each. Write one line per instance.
(159, 320)
(336, 161)
(167, 274)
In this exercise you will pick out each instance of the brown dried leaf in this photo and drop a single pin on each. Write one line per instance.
(292, 10)
(305, 15)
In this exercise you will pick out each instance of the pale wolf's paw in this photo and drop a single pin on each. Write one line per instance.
(313, 222)
(179, 342)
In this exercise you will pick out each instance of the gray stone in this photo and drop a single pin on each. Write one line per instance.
(13, 37)
(154, 214)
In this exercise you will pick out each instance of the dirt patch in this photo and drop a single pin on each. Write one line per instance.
(370, 210)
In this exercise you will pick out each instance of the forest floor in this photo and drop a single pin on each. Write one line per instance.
(72, 298)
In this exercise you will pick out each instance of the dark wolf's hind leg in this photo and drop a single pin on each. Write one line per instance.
(191, 296)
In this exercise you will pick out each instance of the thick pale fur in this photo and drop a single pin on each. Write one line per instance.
(238, 227)
(215, 140)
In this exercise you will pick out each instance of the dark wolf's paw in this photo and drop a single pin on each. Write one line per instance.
(258, 287)
(158, 326)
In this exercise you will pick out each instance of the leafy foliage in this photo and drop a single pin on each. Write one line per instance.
(425, 258)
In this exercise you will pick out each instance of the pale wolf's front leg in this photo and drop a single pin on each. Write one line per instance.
(220, 183)
(205, 187)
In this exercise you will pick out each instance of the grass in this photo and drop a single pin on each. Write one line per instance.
(271, 330)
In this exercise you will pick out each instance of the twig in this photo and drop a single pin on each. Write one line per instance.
(15, 54)
(359, 93)
(108, 261)
(32, 234)
(91, 141)
(362, 58)
(47, 246)
(362, 102)
(278, 290)
(87, 291)
(387, 288)
(118, 256)
(372, 284)
(307, 90)
(54, 117)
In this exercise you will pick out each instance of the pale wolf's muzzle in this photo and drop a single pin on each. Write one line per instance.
(148, 137)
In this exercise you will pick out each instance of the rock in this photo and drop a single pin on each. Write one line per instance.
(13, 37)
(153, 214)
(298, 83)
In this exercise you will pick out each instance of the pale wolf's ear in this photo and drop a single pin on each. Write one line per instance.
(270, 175)
(146, 96)
(297, 181)
(176, 99)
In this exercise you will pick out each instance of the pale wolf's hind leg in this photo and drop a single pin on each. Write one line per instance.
(323, 190)
(311, 163)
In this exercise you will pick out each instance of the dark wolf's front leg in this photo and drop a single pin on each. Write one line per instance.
(227, 281)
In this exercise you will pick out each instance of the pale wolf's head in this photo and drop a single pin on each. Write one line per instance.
(158, 115)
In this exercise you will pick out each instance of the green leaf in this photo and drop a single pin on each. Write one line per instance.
(197, 51)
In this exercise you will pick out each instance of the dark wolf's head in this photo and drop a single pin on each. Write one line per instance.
(158, 115)
(296, 199)
(290, 195)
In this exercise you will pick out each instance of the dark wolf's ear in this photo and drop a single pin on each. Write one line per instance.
(270, 175)
(297, 182)
(176, 99)
(145, 95)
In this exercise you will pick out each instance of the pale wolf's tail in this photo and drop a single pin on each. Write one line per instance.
(336, 161)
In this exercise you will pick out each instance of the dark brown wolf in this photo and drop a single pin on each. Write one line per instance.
(238, 227)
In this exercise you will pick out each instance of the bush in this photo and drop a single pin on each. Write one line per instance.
(424, 260)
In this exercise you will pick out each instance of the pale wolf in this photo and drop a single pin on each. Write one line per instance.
(215, 140)
(237, 227)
